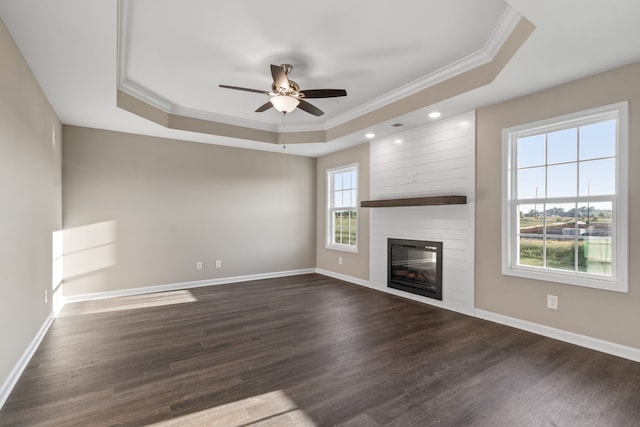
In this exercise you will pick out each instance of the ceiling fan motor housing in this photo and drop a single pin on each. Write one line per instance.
(286, 94)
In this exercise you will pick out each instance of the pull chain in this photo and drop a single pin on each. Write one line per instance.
(284, 125)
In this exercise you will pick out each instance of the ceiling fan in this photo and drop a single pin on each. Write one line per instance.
(286, 94)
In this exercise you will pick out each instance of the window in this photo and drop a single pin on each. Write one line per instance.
(565, 199)
(342, 223)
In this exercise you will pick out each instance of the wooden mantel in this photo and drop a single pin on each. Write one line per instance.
(415, 201)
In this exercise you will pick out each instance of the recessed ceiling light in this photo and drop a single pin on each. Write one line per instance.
(369, 135)
(434, 114)
(398, 141)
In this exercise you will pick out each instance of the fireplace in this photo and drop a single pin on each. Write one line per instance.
(415, 266)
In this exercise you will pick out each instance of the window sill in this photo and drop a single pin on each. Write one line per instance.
(568, 278)
(343, 248)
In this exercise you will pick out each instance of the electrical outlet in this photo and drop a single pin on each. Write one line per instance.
(552, 302)
(218, 263)
(339, 260)
(412, 178)
(199, 265)
(46, 296)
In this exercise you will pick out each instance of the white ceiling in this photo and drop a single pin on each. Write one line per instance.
(175, 53)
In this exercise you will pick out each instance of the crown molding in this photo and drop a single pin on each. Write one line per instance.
(124, 84)
(145, 95)
(508, 21)
(506, 25)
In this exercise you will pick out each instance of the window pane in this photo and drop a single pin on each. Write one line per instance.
(346, 180)
(337, 199)
(346, 198)
(598, 140)
(342, 229)
(595, 255)
(341, 238)
(530, 183)
(561, 253)
(337, 181)
(531, 151)
(562, 180)
(353, 227)
(530, 219)
(560, 219)
(597, 177)
(335, 227)
(563, 177)
(530, 251)
(599, 217)
(596, 218)
(562, 146)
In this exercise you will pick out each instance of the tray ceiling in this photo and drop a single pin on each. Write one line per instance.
(165, 59)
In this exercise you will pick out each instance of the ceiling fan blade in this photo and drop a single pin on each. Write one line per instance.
(280, 79)
(264, 107)
(323, 93)
(245, 89)
(311, 109)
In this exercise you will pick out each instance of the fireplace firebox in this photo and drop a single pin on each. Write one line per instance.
(415, 266)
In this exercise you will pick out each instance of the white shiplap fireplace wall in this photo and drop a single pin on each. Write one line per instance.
(434, 160)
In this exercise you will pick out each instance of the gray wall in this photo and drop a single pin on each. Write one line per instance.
(353, 264)
(30, 193)
(141, 211)
(606, 315)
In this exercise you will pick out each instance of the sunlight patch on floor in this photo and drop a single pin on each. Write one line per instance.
(134, 302)
(273, 409)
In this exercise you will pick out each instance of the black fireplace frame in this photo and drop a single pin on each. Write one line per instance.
(408, 286)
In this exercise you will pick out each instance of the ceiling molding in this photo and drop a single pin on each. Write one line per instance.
(502, 31)
(153, 99)
(145, 95)
(472, 71)
(500, 34)
(454, 86)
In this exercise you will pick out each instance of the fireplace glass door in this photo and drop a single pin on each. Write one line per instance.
(415, 266)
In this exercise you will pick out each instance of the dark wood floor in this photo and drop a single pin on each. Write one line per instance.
(309, 350)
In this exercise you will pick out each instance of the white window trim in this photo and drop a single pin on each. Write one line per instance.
(328, 240)
(618, 281)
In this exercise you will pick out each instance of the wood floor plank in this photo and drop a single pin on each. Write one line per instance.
(308, 350)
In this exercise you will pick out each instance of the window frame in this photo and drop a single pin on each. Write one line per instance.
(618, 281)
(330, 173)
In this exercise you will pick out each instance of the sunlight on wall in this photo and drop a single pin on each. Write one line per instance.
(57, 260)
(89, 248)
(273, 408)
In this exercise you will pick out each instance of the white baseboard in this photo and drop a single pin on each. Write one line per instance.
(401, 294)
(619, 350)
(344, 277)
(10, 382)
(623, 351)
(184, 285)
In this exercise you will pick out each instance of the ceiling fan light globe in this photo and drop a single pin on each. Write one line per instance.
(284, 104)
